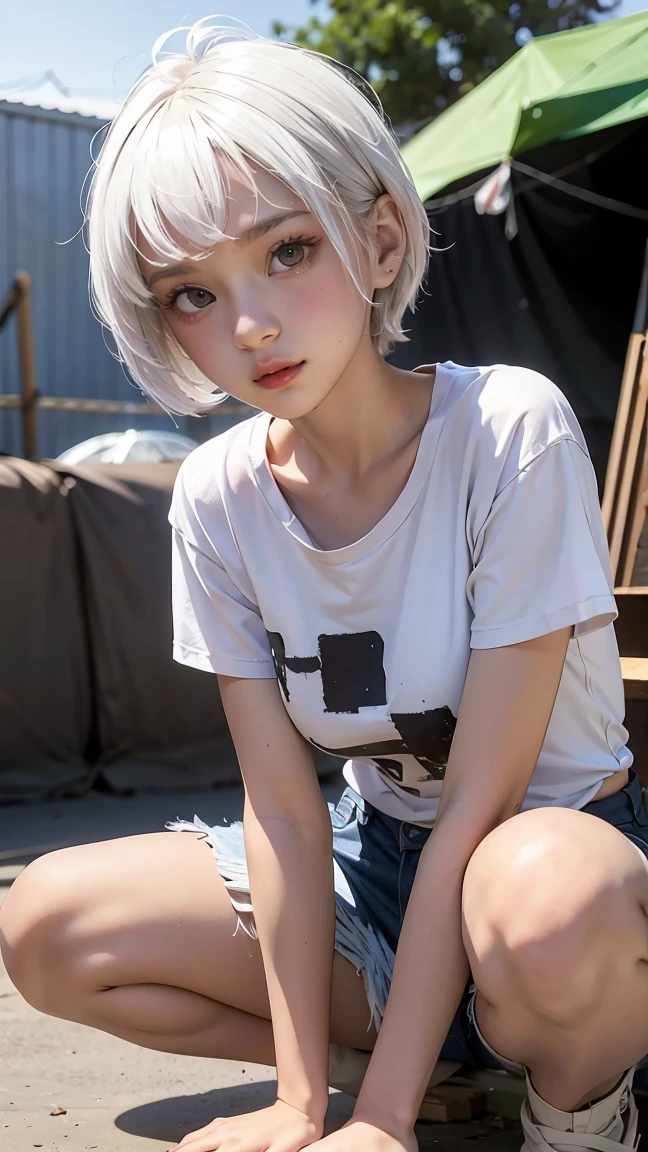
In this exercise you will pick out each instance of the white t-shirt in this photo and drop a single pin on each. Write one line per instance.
(495, 539)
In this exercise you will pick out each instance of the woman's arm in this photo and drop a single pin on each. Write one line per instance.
(288, 839)
(506, 706)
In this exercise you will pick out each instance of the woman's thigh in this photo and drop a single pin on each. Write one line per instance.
(146, 910)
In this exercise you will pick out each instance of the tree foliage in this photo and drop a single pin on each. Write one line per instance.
(421, 56)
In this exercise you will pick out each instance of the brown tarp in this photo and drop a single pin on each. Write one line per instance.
(88, 686)
(158, 724)
(45, 691)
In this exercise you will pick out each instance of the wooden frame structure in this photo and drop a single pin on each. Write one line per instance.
(29, 400)
(626, 481)
(17, 300)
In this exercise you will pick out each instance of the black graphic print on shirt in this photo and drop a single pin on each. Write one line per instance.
(353, 677)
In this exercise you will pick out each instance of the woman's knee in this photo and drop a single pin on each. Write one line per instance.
(39, 948)
(545, 897)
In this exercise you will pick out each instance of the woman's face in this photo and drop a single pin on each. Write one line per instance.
(271, 317)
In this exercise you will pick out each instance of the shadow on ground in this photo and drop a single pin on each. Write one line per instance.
(170, 1119)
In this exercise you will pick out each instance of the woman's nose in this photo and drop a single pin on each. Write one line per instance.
(254, 331)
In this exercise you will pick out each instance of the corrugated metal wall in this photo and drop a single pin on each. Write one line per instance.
(44, 158)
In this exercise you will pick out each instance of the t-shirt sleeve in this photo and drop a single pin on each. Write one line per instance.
(541, 560)
(215, 627)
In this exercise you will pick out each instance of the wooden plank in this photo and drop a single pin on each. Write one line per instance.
(631, 625)
(27, 367)
(624, 408)
(627, 397)
(129, 407)
(635, 667)
(635, 519)
(629, 467)
(635, 677)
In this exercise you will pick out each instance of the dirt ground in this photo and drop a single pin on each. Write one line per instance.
(112, 1096)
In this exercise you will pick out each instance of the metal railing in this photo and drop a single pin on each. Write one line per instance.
(29, 400)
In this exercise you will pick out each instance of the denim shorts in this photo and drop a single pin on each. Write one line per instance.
(375, 862)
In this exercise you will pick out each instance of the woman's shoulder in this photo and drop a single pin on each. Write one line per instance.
(510, 409)
(207, 480)
(222, 461)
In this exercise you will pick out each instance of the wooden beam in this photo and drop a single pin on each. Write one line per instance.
(628, 477)
(635, 677)
(27, 367)
(627, 397)
(110, 407)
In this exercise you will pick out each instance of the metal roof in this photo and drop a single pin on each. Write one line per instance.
(46, 137)
(48, 94)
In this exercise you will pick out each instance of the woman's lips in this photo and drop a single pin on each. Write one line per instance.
(279, 379)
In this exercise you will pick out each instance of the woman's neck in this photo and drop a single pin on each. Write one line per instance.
(372, 411)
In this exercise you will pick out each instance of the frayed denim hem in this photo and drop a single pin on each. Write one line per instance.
(360, 944)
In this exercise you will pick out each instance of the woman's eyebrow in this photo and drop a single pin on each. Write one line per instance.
(246, 237)
(171, 270)
(267, 225)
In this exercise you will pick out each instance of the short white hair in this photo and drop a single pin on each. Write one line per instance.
(250, 100)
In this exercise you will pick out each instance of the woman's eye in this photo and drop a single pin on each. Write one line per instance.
(192, 300)
(290, 255)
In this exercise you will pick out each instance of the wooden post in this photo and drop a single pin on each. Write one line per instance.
(27, 370)
(635, 520)
(628, 476)
(627, 399)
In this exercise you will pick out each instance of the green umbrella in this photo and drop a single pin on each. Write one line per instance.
(558, 86)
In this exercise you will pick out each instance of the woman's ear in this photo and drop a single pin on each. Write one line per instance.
(389, 235)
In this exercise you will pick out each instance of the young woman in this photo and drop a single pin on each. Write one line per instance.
(407, 569)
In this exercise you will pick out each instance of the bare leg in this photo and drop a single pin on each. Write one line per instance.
(556, 931)
(136, 937)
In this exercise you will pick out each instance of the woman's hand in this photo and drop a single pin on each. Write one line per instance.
(366, 1136)
(276, 1129)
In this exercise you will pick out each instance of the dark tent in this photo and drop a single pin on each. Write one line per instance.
(560, 295)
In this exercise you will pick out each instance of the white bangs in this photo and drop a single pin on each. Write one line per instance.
(236, 101)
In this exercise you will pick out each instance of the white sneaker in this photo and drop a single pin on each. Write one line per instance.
(609, 1125)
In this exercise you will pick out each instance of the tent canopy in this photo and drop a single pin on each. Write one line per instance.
(559, 86)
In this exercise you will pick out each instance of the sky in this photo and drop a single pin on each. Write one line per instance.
(105, 44)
